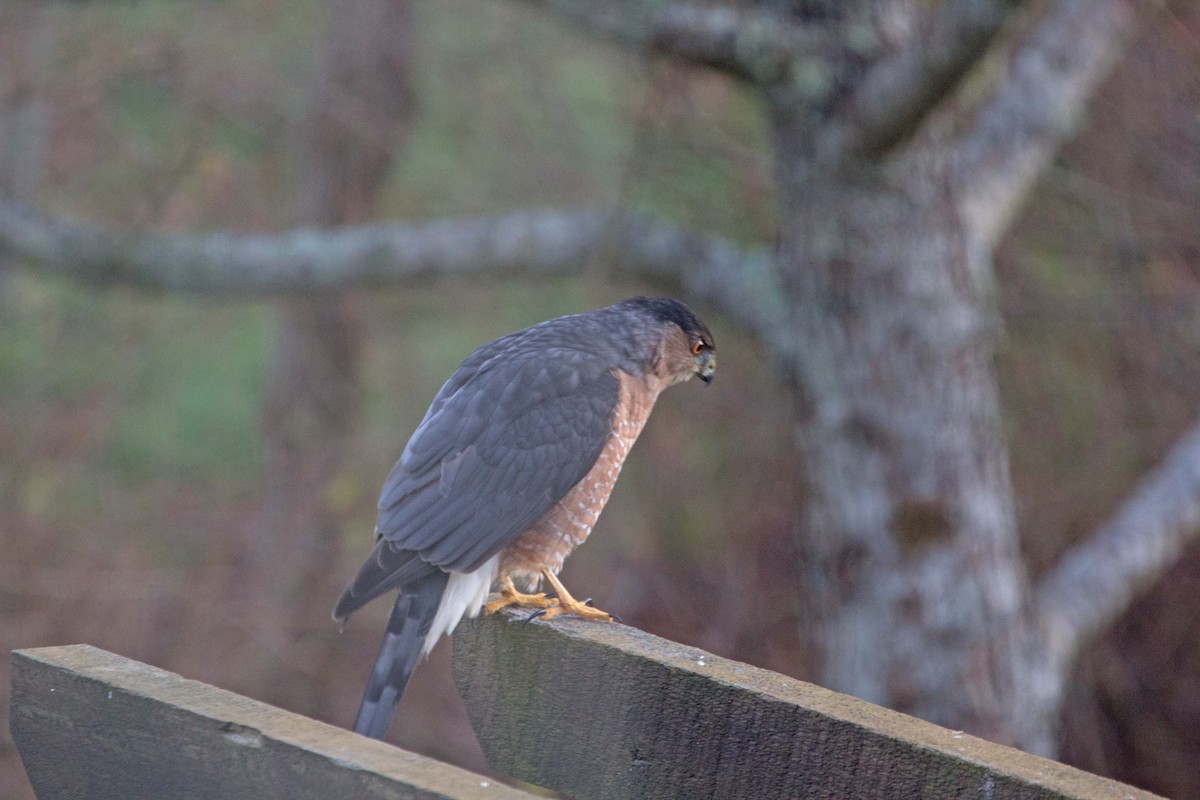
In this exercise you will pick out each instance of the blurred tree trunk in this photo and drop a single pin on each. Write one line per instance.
(24, 42)
(913, 575)
(906, 135)
(914, 578)
(360, 107)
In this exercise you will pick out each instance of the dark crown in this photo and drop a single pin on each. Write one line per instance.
(665, 309)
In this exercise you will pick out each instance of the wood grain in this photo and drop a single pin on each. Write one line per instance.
(90, 724)
(597, 710)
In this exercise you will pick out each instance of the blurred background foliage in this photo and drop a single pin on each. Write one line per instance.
(130, 424)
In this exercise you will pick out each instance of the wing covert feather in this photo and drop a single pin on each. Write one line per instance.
(499, 446)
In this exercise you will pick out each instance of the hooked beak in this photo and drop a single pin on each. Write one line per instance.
(706, 365)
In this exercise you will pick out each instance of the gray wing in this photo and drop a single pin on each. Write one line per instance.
(509, 434)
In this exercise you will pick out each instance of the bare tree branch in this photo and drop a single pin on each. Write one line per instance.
(754, 45)
(898, 90)
(540, 242)
(1094, 582)
(1052, 71)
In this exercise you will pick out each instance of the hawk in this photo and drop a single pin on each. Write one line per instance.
(508, 473)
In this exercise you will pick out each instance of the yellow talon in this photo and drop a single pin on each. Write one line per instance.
(550, 607)
(509, 596)
(566, 604)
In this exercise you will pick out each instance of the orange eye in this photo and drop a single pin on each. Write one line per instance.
(698, 347)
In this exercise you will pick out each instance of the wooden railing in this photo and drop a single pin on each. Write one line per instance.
(588, 710)
(90, 724)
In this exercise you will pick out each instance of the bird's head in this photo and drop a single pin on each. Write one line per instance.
(683, 345)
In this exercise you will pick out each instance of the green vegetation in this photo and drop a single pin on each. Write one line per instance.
(183, 115)
(130, 424)
(193, 113)
(191, 400)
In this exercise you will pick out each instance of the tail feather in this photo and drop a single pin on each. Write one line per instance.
(403, 642)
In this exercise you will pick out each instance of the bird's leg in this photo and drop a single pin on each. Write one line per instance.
(569, 605)
(509, 596)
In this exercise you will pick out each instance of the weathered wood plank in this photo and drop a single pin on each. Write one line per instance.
(90, 724)
(607, 711)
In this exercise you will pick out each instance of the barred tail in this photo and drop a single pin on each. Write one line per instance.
(407, 628)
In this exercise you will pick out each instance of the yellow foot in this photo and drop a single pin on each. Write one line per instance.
(566, 604)
(509, 596)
